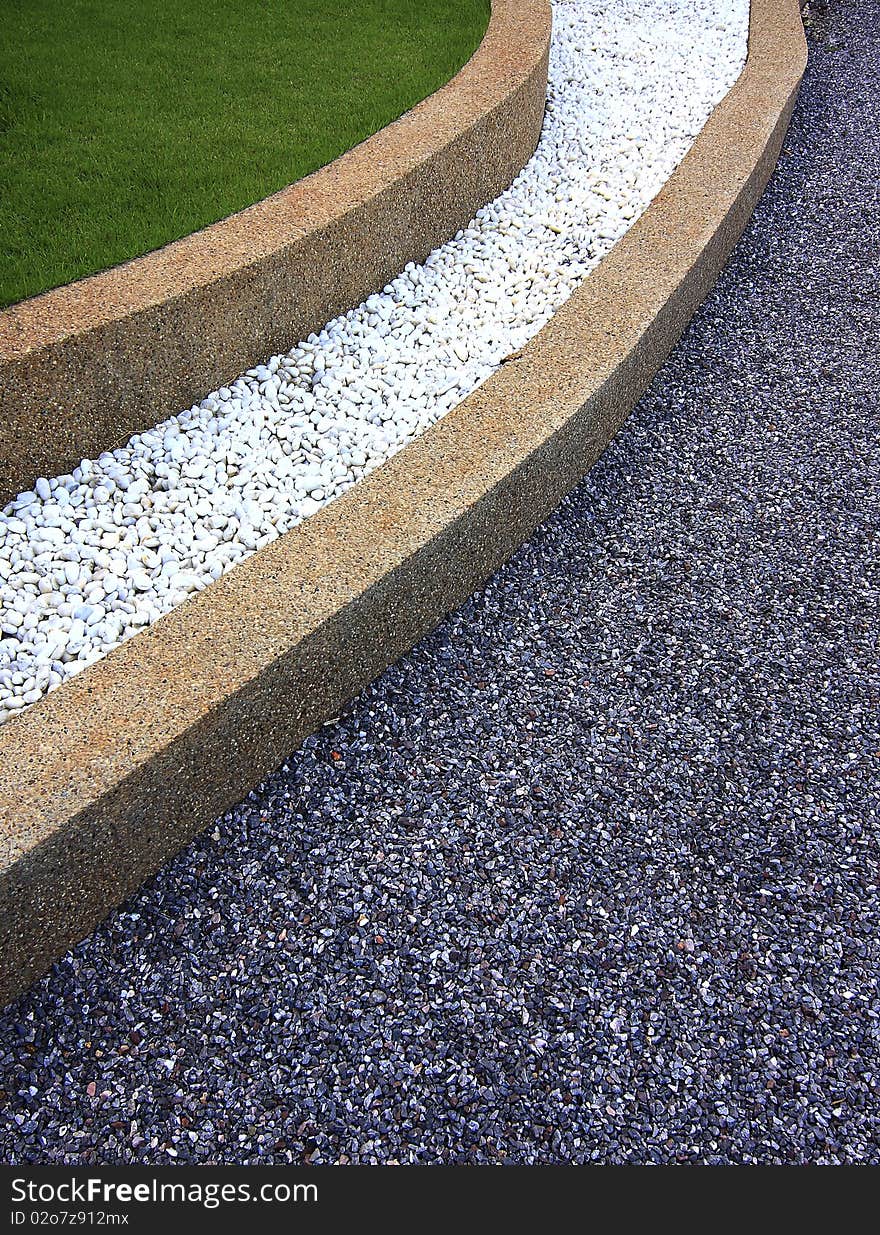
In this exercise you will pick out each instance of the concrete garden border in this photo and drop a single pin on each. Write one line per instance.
(106, 778)
(85, 366)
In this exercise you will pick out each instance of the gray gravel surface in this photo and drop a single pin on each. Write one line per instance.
(592, 875)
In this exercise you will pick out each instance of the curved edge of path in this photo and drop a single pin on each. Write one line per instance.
(85, 366)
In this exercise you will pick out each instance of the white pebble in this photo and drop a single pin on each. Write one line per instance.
(88, 559)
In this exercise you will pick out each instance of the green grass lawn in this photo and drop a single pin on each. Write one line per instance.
(128, 123)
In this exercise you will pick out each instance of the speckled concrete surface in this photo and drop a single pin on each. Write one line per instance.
(84, 367)
(104, 779)
(109, 776)
(591, 875)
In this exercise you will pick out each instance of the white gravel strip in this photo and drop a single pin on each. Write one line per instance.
(89, 559)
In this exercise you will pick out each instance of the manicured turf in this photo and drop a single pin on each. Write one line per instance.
(124, 125)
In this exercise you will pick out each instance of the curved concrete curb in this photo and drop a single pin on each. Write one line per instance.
(84, 367)
(110, 775)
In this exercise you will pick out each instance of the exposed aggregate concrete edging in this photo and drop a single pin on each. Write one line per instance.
(85, 366)
(111, 774)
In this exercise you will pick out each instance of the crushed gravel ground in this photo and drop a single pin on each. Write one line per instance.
(591, 875)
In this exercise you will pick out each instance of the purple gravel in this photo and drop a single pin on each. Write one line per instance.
(591, 875)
